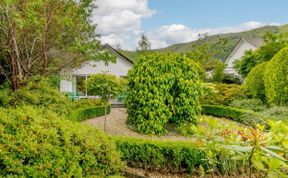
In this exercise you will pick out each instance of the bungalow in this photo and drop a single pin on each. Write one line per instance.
(238, 52)
(74, 82)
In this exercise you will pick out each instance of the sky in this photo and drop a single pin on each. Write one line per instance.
(167, 22)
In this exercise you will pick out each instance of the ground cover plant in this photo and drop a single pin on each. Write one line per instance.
(161, 89)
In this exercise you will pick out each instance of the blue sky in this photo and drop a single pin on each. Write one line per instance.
(167, 22)
(215, 13)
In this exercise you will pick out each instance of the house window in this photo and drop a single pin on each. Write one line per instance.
(80, 85)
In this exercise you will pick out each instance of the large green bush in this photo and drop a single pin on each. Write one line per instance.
(82, 114)
(221, 94)
(168, 156)
(254, 83)
(36, 143)
(162, 88)
(39, 92)
(276, 79)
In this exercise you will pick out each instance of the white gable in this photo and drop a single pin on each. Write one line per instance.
(237, 54)
(120, 68)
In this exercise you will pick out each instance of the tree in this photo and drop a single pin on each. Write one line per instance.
(161, 89)
(273, 44)
(42, 37)
(276, 79)
(218, 73)
(104, 85)
(144, 44)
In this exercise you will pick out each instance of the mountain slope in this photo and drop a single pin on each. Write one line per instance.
(231, 39)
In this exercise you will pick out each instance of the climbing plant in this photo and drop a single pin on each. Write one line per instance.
(162, 89)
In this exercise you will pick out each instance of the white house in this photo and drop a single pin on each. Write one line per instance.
(238, 52)
(75, 79)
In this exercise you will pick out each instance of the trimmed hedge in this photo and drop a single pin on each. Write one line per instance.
(88, 113)
(238, 115)
(39, 143)
(164, 156)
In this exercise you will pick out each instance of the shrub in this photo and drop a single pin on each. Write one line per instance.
(104, 85)
(254, 83)
(39, 92)
(238, 115)
(221, 94)
(231, 79)
(168, 156)
(248, 104)
(162, 88)
(278, 113)
(35, 143)
(276, 79)
(82, 114)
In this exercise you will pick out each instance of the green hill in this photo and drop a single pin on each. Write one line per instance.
(230, 38)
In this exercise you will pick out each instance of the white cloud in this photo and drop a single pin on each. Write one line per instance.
(178, 33)
(118, 21)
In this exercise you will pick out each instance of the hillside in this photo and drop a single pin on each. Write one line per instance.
(230, 38)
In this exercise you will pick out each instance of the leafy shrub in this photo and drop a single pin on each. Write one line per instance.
(278, 113)
(39, 92)
(104, 85)
(84, 113)
(162, 88)
(254, 83)
(231, 79)
(238, 115)
(276, 79)
(165, 156)
(221, 94)
(87, 103)
(248, 104)
(37, 143)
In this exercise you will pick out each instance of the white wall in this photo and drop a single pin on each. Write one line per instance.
(120, 68)
(237, 54)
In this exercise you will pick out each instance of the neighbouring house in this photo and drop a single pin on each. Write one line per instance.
(74, 82)
(238, 52)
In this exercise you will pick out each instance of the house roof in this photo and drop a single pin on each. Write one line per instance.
(118, 53)
(256, 42)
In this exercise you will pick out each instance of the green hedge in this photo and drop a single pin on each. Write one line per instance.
(163, 156)
(82, 114)
(238, 115)
(39, 143)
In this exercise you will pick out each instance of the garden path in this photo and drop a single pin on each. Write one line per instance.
(116, 125)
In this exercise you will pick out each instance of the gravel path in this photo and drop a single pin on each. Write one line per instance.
(116, 125)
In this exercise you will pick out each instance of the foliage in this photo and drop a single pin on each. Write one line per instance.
(273, 44)
(248, 104)
(254, 83)
(231, 79)
(238, 115)
(277, 113)
(221, 94)
(37, 143)
(218, 73)
(276, 79)
(162, 88)
(165, 156)
(84, 113)
(42, 37)
(38, 92)
(105, 85)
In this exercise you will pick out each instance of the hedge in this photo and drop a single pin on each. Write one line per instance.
(163, 156)
(82, 114)
(39, 143)
(238, 115)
